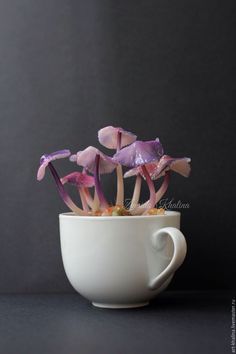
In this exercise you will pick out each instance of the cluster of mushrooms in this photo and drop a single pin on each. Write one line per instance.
(145, 160)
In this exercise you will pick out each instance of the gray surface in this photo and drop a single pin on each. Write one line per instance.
(180, 323)
(158, 68)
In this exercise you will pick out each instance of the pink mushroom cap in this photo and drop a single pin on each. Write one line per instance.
(80, 179)
(179, 165)
(158, 169)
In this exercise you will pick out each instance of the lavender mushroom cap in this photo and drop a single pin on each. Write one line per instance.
(108, 137)
(86, 158)
(79, 179)
(46, 158)
(139, 153)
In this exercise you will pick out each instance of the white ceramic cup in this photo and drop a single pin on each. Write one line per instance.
(121, 261)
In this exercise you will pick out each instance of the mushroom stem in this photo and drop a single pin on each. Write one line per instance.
(119, 136)
(63, 193)
(96, 202)
(136, 193)
(161, 191)
(98, 187)
(120, 186)
(88, 197)
(152, 198)
(83, 199)
(119, 174)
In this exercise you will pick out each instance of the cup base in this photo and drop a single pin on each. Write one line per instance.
(120, 306)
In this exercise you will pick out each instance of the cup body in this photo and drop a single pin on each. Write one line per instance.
(111, 260)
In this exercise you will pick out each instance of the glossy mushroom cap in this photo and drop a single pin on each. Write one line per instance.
(79, 179)
(139, 153)
(86, 158)
(46, 158)
(108, 137)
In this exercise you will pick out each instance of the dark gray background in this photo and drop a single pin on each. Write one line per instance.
(157, 68)
(66, 323)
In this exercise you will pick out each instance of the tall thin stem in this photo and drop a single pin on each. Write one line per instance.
(63, 193)
(119, 174)
(96, 203)
(83, 199)
(161, 191)
(152, 198)
(159, 194)
(88, 197)
(98, 186)
(120, 186)
(136, 193)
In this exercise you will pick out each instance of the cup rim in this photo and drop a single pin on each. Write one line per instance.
(168, 213)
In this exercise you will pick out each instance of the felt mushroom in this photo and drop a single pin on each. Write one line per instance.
(46, 161)
(139, 154)
(97, 163)
(116, 138)
(82, 181)
(163, 168)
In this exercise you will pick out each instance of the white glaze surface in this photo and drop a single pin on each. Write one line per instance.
(124, 261)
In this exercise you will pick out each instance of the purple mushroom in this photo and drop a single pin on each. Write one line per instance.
(145, 160)
(116, 138)
(46, 161)
(97, 163)
(163, 168)
(82, 181)
(137, 171)
(139, 154)
(47, 158)
(179, 165)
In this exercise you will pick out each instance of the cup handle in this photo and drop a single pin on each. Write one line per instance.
(180, 249)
